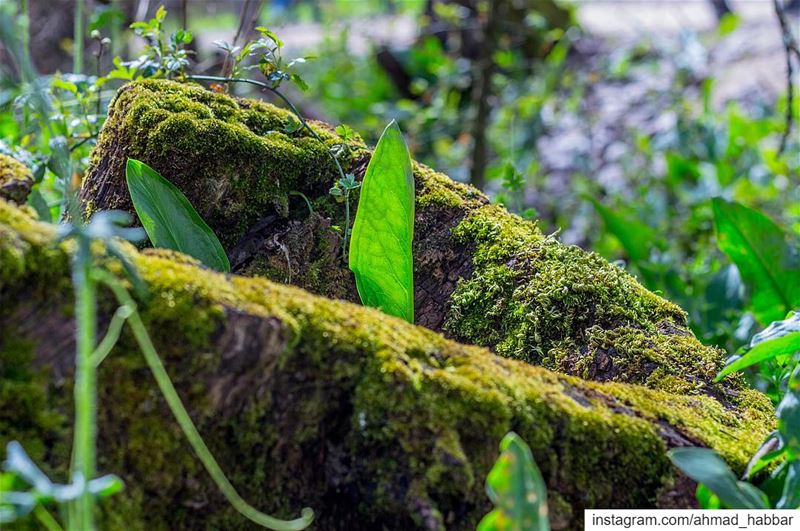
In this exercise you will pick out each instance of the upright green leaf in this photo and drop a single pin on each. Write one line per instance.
(171, 222)
(380, 248)
(517, 490)
(706, 467)
(769, 265)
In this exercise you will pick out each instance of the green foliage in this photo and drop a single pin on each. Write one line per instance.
(266, 51)
(161, 56)
(706, 467)
(171, 222)
(780, 452)
(380, 250)
(517, 490)
(769, 265)
(637, 238)
(780, 339)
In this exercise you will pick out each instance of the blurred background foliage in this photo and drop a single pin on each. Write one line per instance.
(611, 123)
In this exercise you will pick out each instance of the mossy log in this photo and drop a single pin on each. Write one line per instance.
(483, 276)
(373, 422)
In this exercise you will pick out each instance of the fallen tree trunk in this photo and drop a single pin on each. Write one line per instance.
(375, 423)
(483, 276)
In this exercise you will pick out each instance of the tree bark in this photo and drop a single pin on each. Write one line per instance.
(373, 422)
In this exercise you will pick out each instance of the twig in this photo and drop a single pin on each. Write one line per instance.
(791, 47)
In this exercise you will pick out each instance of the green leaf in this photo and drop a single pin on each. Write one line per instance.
(169, 219)
(782, 346)
(791, 488)
(705, 466)
(380, 248)
(517, 490)
(105, 486)
(636, 238)
(781, 338)
(707, 499)
(769, 266)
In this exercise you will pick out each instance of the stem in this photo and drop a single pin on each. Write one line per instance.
(185, 421)
(308, 203)
(83, 456)
(78, 39)
(46, 519)
(346, 223)
(112, 335)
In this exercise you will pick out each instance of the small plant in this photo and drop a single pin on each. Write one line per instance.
(161, 56)
(171, 222)
(269, 59)
(517, 490)
(380, 250)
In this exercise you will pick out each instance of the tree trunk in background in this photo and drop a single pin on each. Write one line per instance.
(483, 94)
(721, 8)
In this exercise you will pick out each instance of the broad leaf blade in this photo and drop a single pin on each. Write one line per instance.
(706, 467)
(171, 222)
(637, 238)
(769, 266)
(781, 346)
(517, 489)
(380, 247)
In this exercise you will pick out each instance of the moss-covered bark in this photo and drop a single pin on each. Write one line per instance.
(483, 276)
(16, 179)
(375, 423)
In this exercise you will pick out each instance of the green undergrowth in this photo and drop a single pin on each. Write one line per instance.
(307, 401)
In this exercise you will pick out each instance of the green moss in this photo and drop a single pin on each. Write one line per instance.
(436, 189)
(533, 298)
(373, 422)
(16, 179)
(232, 158)
(675, 362)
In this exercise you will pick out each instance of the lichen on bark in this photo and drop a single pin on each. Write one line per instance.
(482, 275)
(375, 423)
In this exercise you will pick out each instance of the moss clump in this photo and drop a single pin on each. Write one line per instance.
(234, 159)
(374, 423)
(16, 180)
(535, 299)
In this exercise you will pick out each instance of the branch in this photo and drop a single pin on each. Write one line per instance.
(791, 48)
